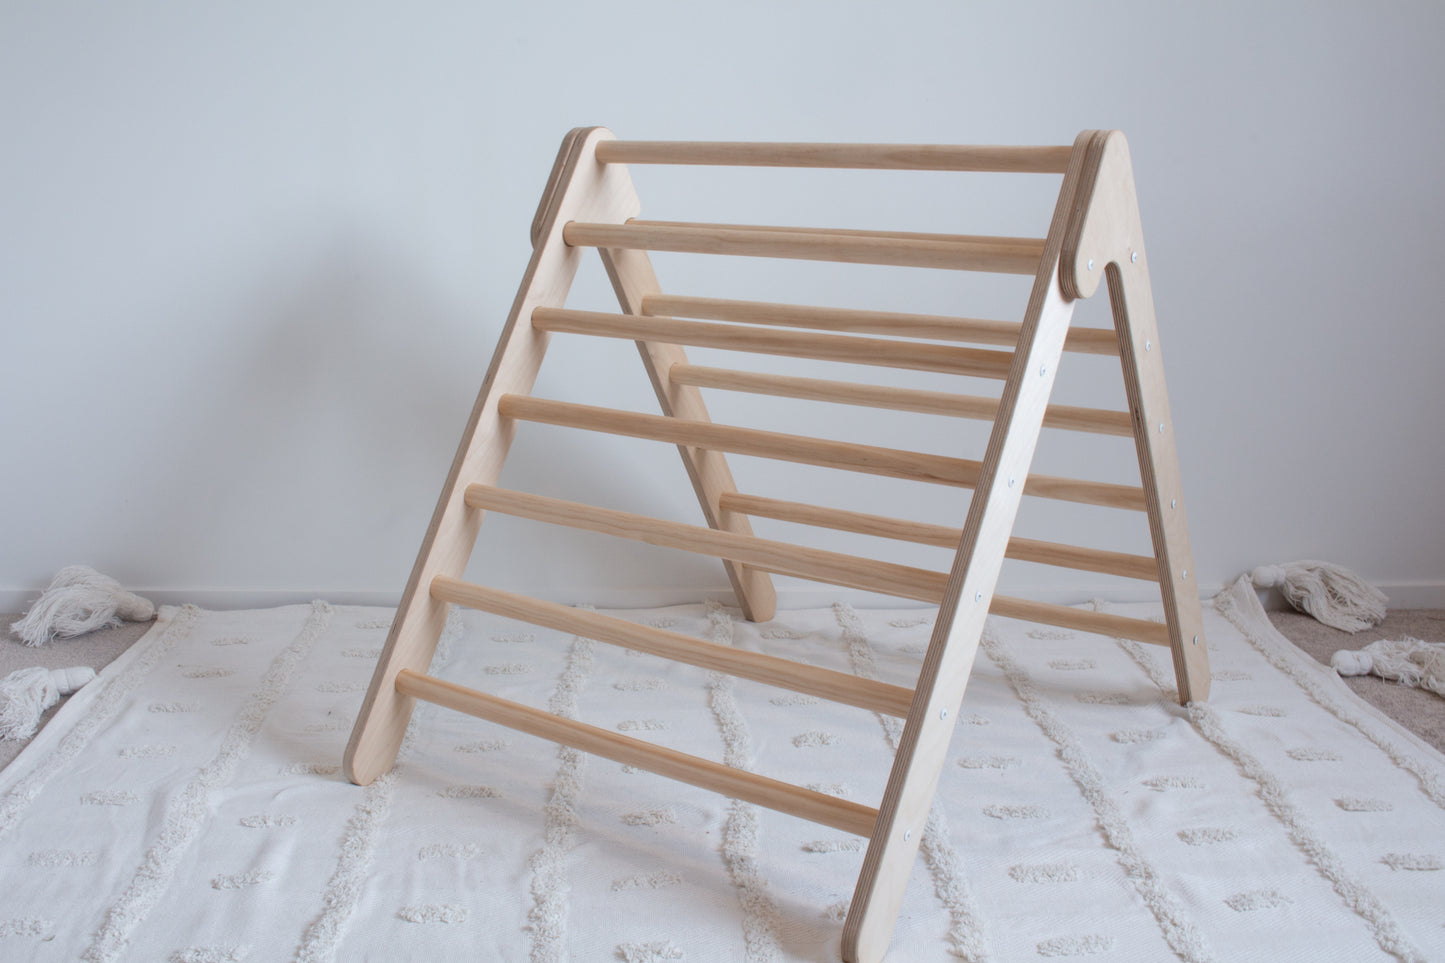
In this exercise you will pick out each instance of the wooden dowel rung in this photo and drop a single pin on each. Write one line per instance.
(1067, 417)
(1098, 623)
(1105, 494)
(1083, 559)
(942, 536)
(951, 359)
(861, 523)
(1011, 243)
(903, 157)
(779, 558)
(851, 320)
(869, 459)
(999, 255)
(771, 670)
(850, 817)
(893, 463)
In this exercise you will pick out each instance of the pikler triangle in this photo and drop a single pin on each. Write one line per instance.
(590, 202)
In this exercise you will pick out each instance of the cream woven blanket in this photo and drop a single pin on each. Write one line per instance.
(188, 805)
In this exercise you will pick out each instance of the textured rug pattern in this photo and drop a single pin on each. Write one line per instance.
(189, 805)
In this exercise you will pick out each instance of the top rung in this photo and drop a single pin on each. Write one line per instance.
(898, 157)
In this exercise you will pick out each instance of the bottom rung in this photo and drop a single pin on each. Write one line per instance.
(736, 783)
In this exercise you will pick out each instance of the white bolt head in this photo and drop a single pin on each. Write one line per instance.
(1161, 427)
(1133, 256)
(1173, 503)
(1148, 345)
(978, 596)
(943, 713)
(1091, 264)
(907, 835)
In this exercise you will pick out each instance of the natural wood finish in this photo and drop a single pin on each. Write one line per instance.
(921, 752)
(978, 362)
(1106, 238)
(905, 157)
(999, 255)
(850, 817)
(779, 558)
(782, 558)
(579, 188)
(853, 321)
(851, 690)
(880, 526)
(869, 459)
(633, 280)
(1082, 559)
(1067, 417)
(938, 469)
(942, 536)
(1095, 623)
(555, 181)
(1013, 245)
(589, 201)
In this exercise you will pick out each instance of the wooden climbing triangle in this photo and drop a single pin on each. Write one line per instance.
(590, 202)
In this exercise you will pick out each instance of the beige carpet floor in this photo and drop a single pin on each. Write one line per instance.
(1420, 711)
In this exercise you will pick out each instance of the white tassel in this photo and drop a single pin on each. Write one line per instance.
(80, 600)
(1408, 661)
(1334, 595)
(27, 693)
(1351, 662)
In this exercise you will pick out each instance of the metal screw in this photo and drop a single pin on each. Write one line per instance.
(1196, 640)
(1173, 502)
(978, 596)
(1184, 574)
(1147, 345)
(943, 713)
(1091, 264)
(907, 835)
(1043, 370)
(1133, 256)
(1161, 427)
(1010, 483)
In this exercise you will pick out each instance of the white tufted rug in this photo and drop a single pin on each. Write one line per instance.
(188, 806)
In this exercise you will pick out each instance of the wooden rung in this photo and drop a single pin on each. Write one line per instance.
(891, 462)
(898, 325)
(882, 526)
(826, 684)
(850, 817)
(942, 536)
(779, 558)
(1012, 243)
(1082, 559)
(900, 157)
(1068, 417)
(784, 559)
(1000, 255)
(1098, 623)
(950, 359)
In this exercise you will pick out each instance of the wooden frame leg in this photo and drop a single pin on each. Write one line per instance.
(893, 848)
(1108, 241)
(580, 188)
(633, 278)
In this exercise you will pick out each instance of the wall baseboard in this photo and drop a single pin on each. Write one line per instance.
(1403, 595)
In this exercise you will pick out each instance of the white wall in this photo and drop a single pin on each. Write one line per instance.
(254, 257)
